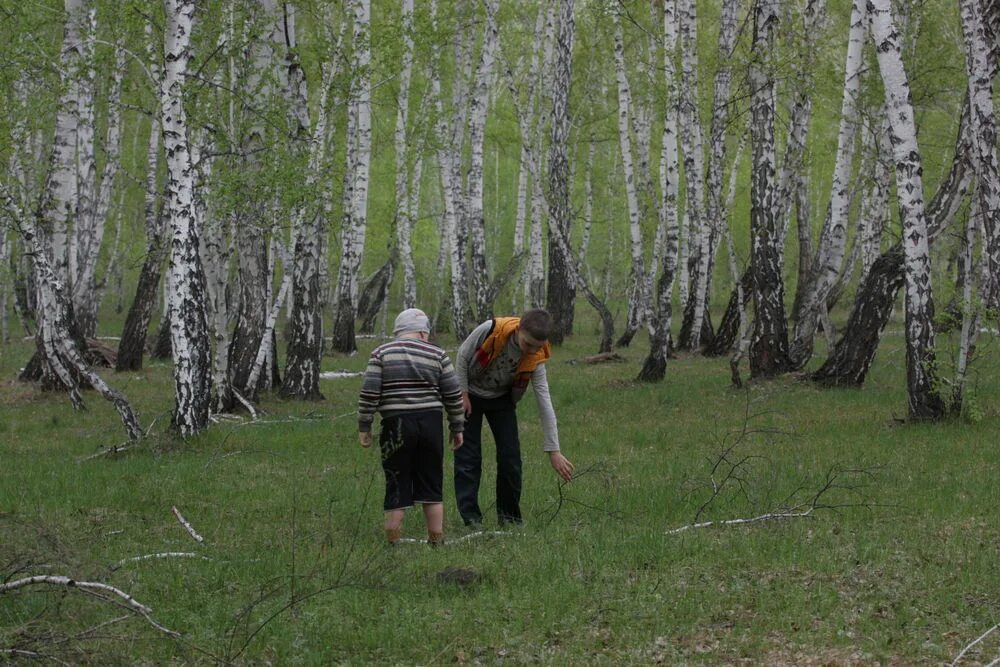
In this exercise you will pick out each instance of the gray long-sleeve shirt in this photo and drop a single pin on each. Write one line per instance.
(496, 379)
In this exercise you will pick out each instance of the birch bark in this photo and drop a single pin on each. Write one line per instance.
(924, 399)
(185, 279)
(833, 238)
(692, 145)
(475, 218)
(769, 341)
(637, 307)
(561, 290)
(654, 368)
(356, 217)
(404, 213)
(983, 128)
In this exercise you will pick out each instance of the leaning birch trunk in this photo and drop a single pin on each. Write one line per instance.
(561, 290)
(854, 352)
(921, 378)
(694, 178)
(769, 342)
(637, 310)
(355, 218)
(61, 351)
(475, 218)
(655, 367)
(833, 238)
(185, 279)
(62, 181)
(404, 213)
(983, 127)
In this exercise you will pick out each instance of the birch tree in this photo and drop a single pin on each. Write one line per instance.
(699, 237)
(252, 207)
(654, 368)
(983, 130)
(133, 339)
(561, 290)
(921, 374)
(833, 238)
(405, 214)
(185, 279)
(305, 325)
(475, 218)
(769, 341)
(637, 299)
(359, 150)
(61, 352)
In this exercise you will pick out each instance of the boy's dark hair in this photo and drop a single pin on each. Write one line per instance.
(537, 323)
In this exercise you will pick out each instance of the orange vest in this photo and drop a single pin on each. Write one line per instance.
(497, 339)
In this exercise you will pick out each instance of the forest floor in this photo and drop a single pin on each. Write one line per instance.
(898, 562)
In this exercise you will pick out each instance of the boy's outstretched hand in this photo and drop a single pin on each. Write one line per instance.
(562, 465)
(365, 437)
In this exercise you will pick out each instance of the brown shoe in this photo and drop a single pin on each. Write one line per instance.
(393, 535)
(435, 539)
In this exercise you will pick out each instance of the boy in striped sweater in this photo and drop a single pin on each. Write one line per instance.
(408, 381)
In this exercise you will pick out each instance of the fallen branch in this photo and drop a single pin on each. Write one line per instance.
(113, 449)
(167, 554)
(457, 540)
(21, 653)
(981, 638)
(91, 586)
(770, 516)
(187, 526)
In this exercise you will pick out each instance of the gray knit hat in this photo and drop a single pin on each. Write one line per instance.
(411, 320)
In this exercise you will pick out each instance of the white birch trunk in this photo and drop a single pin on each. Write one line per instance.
(561, 289)
(185, 280)
(64, 177)
(60, 350)
(404, 213)
(356, 217)
(769, 341)
(922, 385)
(654, 368)
(475, 218)
(833, 238)
(694, 170)
(983, 128)
(637, 301)
(84, 228)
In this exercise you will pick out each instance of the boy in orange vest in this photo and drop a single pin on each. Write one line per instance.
(495, 364)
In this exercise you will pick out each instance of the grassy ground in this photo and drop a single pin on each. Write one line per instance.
(907, 572)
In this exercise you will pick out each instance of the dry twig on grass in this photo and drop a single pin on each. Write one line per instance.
(166, 554)
(187, 526)
(979, 639)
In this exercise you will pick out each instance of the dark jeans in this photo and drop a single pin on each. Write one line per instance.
(501, 415)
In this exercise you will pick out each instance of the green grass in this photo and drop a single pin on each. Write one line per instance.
(909, 573)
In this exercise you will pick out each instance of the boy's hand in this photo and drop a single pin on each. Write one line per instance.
(466, 403)
(562, 465)
(366, 439)
(456, 441)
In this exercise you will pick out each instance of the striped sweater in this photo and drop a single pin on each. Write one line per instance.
(409, 375)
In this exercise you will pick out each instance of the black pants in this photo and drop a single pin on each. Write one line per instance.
(412, 459)
(501, 415)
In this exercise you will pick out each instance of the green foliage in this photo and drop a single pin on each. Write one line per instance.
(290, 511)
